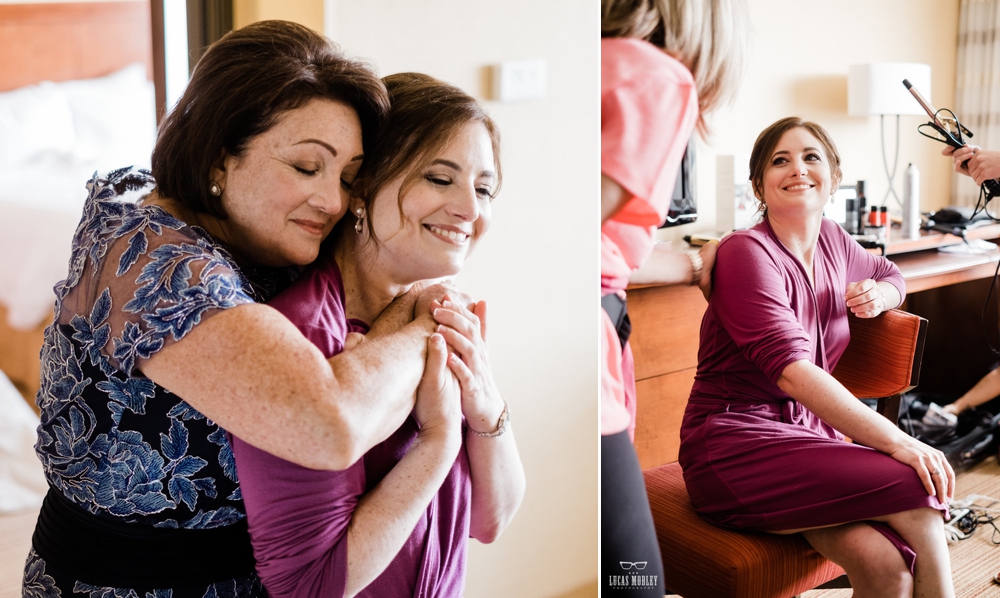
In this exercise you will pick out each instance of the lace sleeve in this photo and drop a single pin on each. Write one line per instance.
(146, 281)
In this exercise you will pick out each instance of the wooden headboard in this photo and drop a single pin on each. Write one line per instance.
(58, 42)
(78, 40)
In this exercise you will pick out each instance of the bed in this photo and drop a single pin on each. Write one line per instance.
(75, 97)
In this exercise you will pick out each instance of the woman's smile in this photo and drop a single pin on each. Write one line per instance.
(312, 227)
(450, 234)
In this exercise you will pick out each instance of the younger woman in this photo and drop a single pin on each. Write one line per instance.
(395, 523)
(762, 442)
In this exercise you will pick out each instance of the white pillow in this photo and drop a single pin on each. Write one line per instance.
(114, 118)
(34, 120)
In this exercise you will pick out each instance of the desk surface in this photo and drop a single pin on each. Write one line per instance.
(924, 267)
(934, 239)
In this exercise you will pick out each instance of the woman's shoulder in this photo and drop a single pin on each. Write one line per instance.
(120, 226)
(834, 237)
(756, 238)
(625, 59)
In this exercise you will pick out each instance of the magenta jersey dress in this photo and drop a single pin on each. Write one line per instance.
(753, 457)
(299, 517)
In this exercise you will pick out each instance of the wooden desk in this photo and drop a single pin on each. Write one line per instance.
(924, 267)
(947, 289)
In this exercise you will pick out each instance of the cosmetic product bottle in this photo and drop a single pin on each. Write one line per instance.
(873, 226)
(883, 221)
(911, 203)
(851, 216)
(862, 207)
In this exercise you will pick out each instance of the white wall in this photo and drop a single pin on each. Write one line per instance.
(798, 66)
(537, 267)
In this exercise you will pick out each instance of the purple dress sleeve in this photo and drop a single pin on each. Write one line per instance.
(751, 298)
(862, 264)
(299, 517)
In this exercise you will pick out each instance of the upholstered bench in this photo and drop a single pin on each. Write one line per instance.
(703, 560)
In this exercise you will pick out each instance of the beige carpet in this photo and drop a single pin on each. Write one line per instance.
(974, 561)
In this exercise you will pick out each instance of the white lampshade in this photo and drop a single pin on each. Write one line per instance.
(877, 88)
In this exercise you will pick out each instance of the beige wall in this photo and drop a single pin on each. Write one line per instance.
(537, 267)
(306, 12)
(798, 66)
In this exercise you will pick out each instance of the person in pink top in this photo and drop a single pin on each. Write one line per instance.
(396, 523)
(661, 73)
(762, 440)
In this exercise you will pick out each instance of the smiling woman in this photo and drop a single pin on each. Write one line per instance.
(397, 522)
(765, 407)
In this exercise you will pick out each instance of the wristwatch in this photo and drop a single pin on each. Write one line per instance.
(697, 267)
(501, 424)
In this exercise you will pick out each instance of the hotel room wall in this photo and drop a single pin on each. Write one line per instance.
(536, 267)
(798, 61)
(306, 12)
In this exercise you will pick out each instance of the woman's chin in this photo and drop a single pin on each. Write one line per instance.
(423, 272)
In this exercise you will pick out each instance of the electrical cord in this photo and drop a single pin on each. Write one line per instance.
(967, 516)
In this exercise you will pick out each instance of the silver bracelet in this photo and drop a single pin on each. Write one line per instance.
(697, 267)
(501, 424)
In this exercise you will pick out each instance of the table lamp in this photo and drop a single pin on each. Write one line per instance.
(877, 88)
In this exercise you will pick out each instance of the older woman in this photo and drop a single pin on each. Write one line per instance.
(396, 523)
(160, 343)
(762, 443)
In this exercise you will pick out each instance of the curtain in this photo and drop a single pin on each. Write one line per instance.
(977, 84)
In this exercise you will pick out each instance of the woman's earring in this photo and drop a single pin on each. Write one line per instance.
(359, 225)
(215, 189)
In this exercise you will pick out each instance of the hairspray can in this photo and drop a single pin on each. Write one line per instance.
(911, 202)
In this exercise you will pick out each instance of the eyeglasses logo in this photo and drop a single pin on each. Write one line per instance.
(638, 565)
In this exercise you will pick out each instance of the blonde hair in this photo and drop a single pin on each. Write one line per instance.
(709, 37)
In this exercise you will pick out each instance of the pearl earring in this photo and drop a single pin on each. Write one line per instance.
(359, 225)
(215, 189)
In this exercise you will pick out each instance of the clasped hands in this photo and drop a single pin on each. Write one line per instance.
(457, 378)
(865, 299)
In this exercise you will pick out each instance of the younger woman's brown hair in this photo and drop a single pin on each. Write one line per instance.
(426, 114)
(240, 88)
(768, 139)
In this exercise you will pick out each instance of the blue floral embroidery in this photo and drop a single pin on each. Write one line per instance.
(110, 439)
(36, 584)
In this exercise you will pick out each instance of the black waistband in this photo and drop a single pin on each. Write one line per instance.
(102, 552)
(617, 310)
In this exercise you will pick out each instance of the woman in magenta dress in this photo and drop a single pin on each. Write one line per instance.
(396, 522)
(762, 442)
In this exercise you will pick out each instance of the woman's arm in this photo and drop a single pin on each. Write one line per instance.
(385, 516)
(984, 390)
(666, 267)
(494, 464)
(834, 404)
(613, 197)
(252, 372)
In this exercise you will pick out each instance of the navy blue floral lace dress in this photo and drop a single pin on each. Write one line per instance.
(111, 441)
